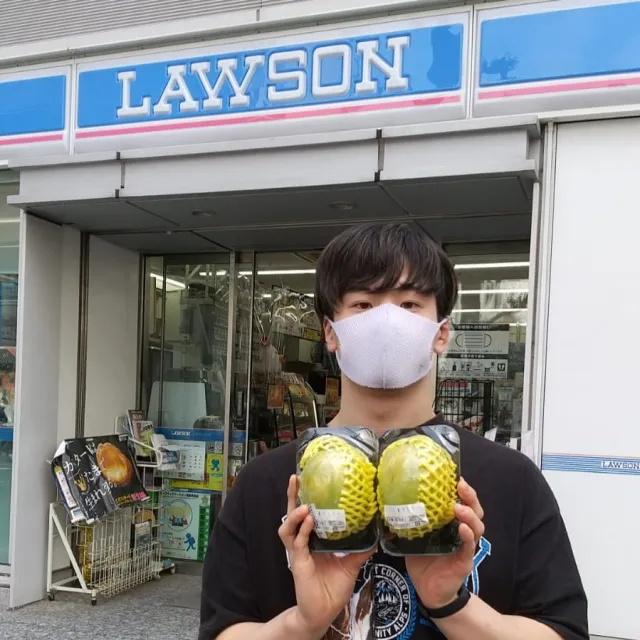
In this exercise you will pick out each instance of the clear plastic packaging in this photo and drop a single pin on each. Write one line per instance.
(337, 473)
(417, 488)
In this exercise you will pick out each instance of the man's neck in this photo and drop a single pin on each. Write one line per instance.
(383, 410)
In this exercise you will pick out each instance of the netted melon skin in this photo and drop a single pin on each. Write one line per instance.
(324, 459)
(418, 470)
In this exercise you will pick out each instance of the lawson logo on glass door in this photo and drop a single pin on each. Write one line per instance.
(412, 64)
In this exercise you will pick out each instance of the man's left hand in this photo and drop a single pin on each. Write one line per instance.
(437, 580)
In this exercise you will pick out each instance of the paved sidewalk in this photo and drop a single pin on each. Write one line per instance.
(162, 610)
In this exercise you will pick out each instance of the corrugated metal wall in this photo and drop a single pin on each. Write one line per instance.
(24, 21)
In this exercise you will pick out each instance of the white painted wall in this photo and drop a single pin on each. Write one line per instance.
(592, 359)
(35, 436)
(112, 340)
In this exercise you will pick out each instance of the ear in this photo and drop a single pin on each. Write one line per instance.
(442, 339)
(330, 336)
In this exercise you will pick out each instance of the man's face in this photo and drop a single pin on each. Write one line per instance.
(356, 302)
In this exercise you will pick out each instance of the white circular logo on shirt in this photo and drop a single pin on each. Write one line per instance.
(393, 603)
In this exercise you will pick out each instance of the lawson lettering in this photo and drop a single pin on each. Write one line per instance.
(423, 60)
(621, 465)
(280, 75)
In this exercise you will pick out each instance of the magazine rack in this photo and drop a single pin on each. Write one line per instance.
(119, 551)
(108, 558)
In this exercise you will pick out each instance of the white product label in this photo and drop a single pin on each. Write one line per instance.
(328, 521)
(406, 516)
(64, 487)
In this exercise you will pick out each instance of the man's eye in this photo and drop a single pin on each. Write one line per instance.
(363, 306)
(410, 306)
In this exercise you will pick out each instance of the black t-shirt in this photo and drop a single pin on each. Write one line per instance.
(524, 564)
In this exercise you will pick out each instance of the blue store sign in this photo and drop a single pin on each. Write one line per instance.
(528, 58)
(415, 66)
(533, 59)
(32, 109)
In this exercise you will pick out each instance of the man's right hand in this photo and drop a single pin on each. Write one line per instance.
(324, 582)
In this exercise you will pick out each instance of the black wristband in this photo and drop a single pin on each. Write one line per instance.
(449, 610)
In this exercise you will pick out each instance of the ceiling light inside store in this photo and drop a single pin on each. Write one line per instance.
(492, 265)
(343, 206)
(519, 310)
(204, 274)
(172, 285)
(280, 272)
(478, 292)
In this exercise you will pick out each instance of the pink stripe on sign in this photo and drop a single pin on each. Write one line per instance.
(53, 137)
(269, 117)
(611, 83)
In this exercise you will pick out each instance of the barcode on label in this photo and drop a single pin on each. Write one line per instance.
(406, 516)
(328, 521)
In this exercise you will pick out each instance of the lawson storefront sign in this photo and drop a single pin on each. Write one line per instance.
(34, 111)
(415, 65)
(528, 58)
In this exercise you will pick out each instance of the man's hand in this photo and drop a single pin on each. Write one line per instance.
(438, 579)
(324, 582)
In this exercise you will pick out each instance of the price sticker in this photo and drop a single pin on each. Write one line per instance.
(328, 521)
(406, 516)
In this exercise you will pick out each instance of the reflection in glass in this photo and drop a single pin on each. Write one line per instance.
(288, 373)
(193, 346)
(480, 379)
(185, 368)
(9, 255)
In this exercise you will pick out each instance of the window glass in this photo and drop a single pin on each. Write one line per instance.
(480, 379)
(9, 239)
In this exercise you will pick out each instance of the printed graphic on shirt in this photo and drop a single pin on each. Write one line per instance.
(384, 605)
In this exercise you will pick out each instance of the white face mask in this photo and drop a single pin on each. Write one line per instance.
(386, 347)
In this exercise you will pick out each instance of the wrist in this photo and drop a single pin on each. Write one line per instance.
(297, 628)
(448, 607)
(438, 603)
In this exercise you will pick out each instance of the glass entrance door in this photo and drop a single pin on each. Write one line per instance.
(189, 323)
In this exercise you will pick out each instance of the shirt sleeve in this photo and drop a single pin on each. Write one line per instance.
(548, 587)
(227, 597)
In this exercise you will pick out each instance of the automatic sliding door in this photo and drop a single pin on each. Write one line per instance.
(190, 309)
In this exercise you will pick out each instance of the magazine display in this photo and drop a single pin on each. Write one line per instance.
(96, 476)
(142, 432)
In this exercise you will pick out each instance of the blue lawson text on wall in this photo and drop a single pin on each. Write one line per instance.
(611, 465)
(412, 62)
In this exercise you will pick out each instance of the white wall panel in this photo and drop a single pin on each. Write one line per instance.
(279, 168)
(68, 365)
(591, 445)
(35, 436)
(112, 335)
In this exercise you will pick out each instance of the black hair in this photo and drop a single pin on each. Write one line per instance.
(374, 257)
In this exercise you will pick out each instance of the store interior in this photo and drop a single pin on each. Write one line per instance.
(232, 361)
(283, 380)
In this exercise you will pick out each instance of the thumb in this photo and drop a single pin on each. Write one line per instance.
(355, 561)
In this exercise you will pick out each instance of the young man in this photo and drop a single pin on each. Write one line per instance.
(384, 294)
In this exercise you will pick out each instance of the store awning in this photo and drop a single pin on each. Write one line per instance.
(261, 193)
